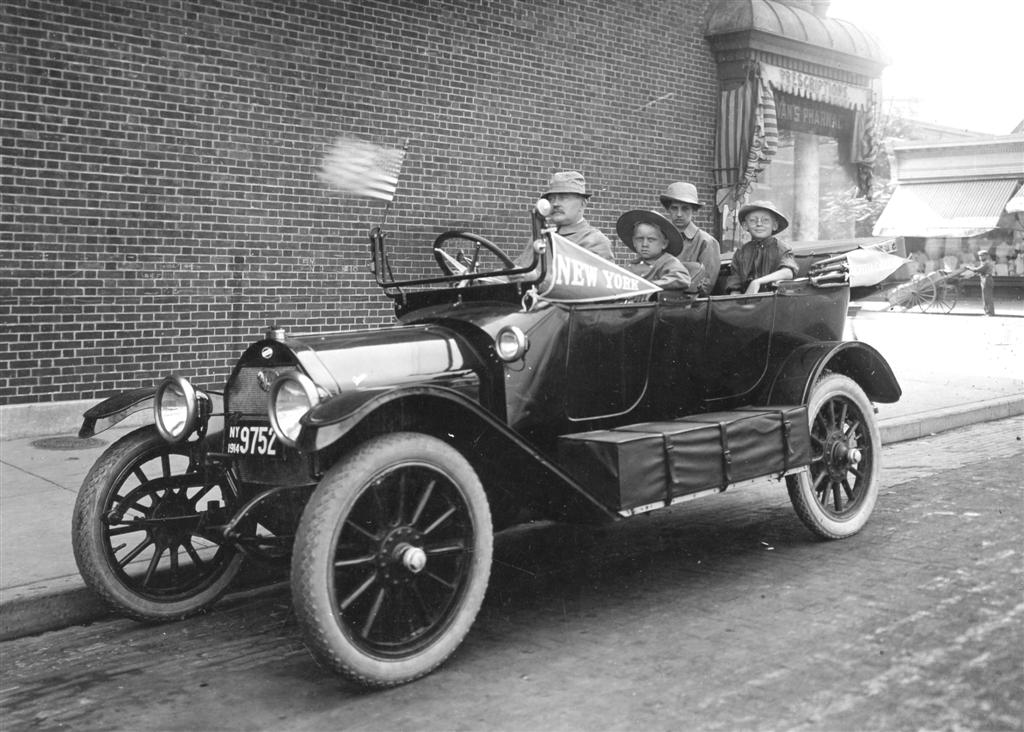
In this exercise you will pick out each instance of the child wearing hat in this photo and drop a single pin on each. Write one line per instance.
(764, 259)
(681, 203)
(657, 243)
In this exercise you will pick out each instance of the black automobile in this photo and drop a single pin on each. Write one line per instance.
(382, 461)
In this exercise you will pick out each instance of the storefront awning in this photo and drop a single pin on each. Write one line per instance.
(1013, 218)
(947, 209)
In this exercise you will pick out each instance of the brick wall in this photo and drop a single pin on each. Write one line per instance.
(160, 199)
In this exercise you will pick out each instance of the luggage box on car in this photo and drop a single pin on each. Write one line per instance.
(640, 467)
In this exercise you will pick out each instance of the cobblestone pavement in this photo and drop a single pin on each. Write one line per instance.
(723, 614)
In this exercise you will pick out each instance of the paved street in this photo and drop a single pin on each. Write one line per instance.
(722, 614)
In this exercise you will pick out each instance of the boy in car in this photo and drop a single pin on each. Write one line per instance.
(657, 244)
(681, 203)
(764, 260)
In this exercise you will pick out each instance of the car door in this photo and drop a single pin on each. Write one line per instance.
(609, 353)
(714, 349)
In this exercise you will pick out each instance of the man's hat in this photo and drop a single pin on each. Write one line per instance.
(983, 253)
(765, 206)
(682, 192)
(567, 181)
(628, 221)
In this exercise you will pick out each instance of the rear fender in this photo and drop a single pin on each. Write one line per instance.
(112, 410)
(514, 473)
(862, 363)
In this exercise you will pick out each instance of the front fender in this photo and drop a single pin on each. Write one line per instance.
(332, 419)
(862, 363)
(112, 410)
(499, 454)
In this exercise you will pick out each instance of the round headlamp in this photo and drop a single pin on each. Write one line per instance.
(291, 396)
(510, 343)
(175, 408)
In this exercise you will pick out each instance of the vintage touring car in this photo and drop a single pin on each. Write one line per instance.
(382, 461)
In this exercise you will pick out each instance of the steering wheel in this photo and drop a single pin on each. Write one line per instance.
(460, 263)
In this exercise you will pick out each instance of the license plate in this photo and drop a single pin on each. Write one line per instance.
(252, 439)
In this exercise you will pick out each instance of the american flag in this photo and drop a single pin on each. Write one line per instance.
(747, 136)
(362, 168)
(735, 130)
(764, 143)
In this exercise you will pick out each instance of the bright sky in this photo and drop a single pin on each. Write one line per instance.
(957, 64)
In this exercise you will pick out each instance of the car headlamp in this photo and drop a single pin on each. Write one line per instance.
(291, 396)
(511, 344)
(176, 408)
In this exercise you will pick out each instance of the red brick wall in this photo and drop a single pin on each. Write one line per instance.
(160, 199)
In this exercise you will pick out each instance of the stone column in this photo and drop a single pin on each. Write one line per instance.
(805, 184)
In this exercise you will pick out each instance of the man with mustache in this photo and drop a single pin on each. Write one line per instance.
(567, 192)
(568, 195)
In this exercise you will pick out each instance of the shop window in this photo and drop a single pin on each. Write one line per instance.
(950, 254)
(778, 183)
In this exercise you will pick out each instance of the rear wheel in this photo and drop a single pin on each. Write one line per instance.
(392, 559)
(836, 496)
(137, 529)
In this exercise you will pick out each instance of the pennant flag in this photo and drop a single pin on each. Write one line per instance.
(575, 274)
(362, 168)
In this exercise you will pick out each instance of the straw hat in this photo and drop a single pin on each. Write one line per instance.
(628, 221)
(765, 206)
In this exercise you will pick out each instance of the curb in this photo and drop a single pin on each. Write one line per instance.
(41, 419)
(923, 424)
(66, 601)
(63, 602)
(48, 605)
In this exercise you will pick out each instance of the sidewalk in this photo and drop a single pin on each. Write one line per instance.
(955, 369)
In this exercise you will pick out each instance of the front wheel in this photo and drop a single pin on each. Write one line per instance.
(138, 529)
(835, 497)
(392, 559)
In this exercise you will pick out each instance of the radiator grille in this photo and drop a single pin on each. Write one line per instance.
(245, 395)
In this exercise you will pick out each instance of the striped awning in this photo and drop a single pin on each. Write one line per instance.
(946, 209)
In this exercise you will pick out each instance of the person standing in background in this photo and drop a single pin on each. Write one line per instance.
(985, 271)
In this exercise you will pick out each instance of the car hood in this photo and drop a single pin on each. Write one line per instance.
(383, 357)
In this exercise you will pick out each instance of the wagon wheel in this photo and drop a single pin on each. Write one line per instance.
(391, 559)
(923, 296)
(945, 297)
(137, 529)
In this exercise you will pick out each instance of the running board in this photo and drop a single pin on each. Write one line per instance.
(627, 512)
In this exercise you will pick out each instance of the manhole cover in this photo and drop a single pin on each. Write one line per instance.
(68, 442)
